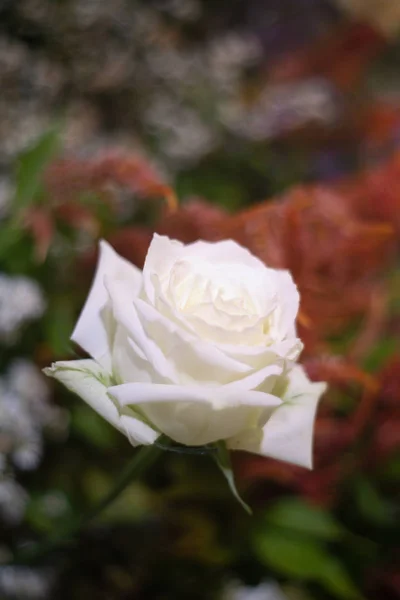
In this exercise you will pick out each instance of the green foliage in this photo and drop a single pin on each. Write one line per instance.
(295, 515)
(47, 511)
(59, 324)
(30, 166)
(302, 557)
(372, 506)
(380, 353)
(9, 238)
(91, 427)
(294, 538)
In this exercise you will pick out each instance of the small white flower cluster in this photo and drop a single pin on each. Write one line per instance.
(194, 95)
(22, 582)
(185, 10)
(187, 87)
(184, 137)
(189, 93)
(13, 500)
(30, 84)
(5, 196)
(21, 301)
(281, 108)
(264, 591)
(24, 413)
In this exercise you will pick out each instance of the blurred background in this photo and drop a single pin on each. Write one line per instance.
(275, 123)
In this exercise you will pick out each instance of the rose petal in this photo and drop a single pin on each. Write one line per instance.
(193, 415)
(161, 256)
(175, 354)
(87, 379)
(142, 346)
(130, 363)
(289, 301)
(219, 397)
(224, 251)
(194, 358)
(94, 330)
(288, 433)
(256, 356)
(163, 253)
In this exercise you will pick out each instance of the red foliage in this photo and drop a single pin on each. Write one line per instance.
(67, 179)
(132, 243)
(341, 55)
(386, 431)
(333, 255)
(339, 371)
(40, 223)
(375, 194)
(196, 219)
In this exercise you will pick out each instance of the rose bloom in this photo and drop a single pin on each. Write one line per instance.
(200, 346)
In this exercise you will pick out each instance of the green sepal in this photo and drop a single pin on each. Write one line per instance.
(223, 460)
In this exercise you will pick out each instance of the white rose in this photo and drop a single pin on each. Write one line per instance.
(199, 346)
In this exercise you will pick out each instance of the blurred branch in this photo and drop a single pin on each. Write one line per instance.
(142, 460)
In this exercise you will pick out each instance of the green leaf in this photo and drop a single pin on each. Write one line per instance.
(291, 556)
(371, 504)
(304, 559)
(297, 516)
(60, 320)
(10, 236)
(92, 427)
(223, 460)
(391, 471)
(46, 510)
(30, 166)
(380, 353)
(336, 580)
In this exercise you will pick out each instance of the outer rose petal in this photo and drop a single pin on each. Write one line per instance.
(288, 433)
(225, 251)
(289, 300)
(161, 256)
(88, 380)
(218, 397)
(257, 356)
(196, 415)
(94, 330)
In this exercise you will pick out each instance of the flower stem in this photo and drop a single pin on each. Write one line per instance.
(143, 459)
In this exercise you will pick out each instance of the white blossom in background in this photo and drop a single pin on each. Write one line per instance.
(23, 582)
(13, 500)
(21, 301)
(143, 56)
(229, 55)
(6, 191)
(25, 412)
(183, 136)
(281, 108)
(187, 88)
(185, 10)
(264, 591)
